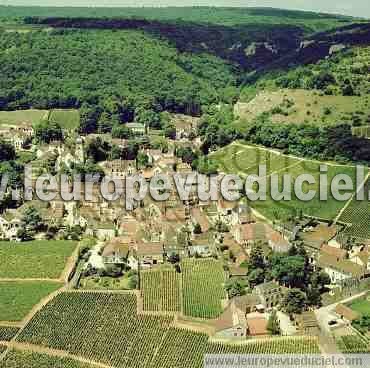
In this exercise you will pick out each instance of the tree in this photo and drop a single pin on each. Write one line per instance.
(98, 150)
(320, 280)
(7, 151)
(169, 131)
(289, 270)
(256, 277)
(32, 220)
(89, 116)
(142, 160)
(148, 118)
(257, 259)
(348, 90)
(197, 229)
(295, 301)
(24, 235)
(121, 131)
(48, 131)
(273, 325)
(105, 123)
(235, 287)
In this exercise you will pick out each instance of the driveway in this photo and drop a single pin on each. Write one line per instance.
(286, 325)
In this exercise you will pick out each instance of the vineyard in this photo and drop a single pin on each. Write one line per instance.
(105, 328)
(244, 160)
(7, 333)
(283, 345)
(18, 297)
(98, 326)
(181, 348)
(160, 290)
(357, 215)
(203, 289)
(36, 259)
(352, 344)
(17, 359)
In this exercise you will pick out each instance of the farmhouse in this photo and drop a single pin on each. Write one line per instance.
(232, 323)
(116, 251)
(256, 325)
(150, 254)
(316, 235)
(9, 227)
(270, 294)
(340, 269)
(199, 217)
(119, 168)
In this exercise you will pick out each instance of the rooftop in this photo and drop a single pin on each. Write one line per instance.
(346, 312)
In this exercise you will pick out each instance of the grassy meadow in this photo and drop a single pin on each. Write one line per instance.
(298, 106)
(67, 118)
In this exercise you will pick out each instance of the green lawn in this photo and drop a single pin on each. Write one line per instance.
(361, 306)
(105, 283)
(36, 259)
(18, 298)
(22, 116)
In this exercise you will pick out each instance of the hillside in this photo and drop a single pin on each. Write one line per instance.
(66, 68)
(311, 22)
(159, 62)
(332, 91)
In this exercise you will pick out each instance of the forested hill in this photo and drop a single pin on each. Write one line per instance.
(176, 64)
(66, 68)
(248, 46)
(309, 21)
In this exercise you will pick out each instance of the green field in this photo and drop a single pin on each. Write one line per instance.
(18, 298)
(106, 328)
(20, 359)
(36, 259)
(203, 289)
(7, 333)
(68, 119)
(244, 160)
(22, 116)
(160, 290)
(362, 306)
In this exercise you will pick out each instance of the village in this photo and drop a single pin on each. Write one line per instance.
(119, 247)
